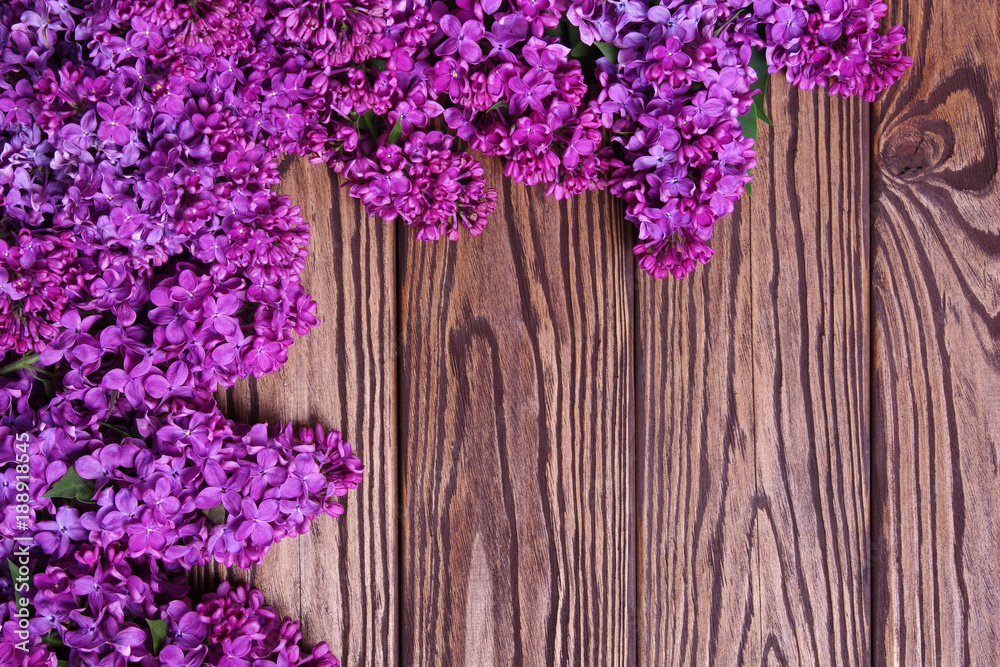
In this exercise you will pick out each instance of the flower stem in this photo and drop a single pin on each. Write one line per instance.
(23, 362)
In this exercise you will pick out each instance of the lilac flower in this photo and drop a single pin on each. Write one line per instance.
(108, 459)
(529, 91)
(788, 24)
(462, 38)
(115, 124)
(257, 521)
(54, 537)
(148, 536)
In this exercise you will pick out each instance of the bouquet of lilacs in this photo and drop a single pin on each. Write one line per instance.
(145, 260)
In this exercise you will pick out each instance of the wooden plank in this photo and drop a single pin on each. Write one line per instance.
(810, 256)
(752, 415)
(338, 580)
(695, 460)
(516, 398)
(936, 392)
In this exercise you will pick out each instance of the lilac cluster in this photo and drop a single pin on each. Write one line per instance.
(833, 43)
(172, 484)
(673, 102)
(127, 170)
(659, 121)
(404, 180)
(185, 485)
(126, 610)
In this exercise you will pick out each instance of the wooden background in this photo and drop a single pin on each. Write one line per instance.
(791, 457)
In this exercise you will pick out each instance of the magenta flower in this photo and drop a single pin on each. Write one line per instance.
(115, 124)
(54, 537)
(788, 24)
(530, 91)
(462, 38)
(147, 535)
(257, 521)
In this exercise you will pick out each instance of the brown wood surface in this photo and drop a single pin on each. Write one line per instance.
(516, 383)
(752, 414)
(338, 580)
(791, 457)
(936, 344)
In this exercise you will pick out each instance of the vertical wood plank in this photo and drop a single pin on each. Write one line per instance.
(339, 580)
(936, 282)
(516, 397)
(810, 256)
(697, 568)
(752, 414)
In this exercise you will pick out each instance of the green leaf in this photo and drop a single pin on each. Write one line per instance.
(609, 51)
(62, 663)
(159, 631)
(574, 34)
(19, 599)
(367, 121)
(217, 515)
(378, 63)
(71, 485)
(397, 131)
(499, 105)
(758, 63)
(758, 105)
(748, 122)
(748, 188)
(579, 51)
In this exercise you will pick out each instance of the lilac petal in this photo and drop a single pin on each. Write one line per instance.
(156, 386)
(88, 467)
(450, 25)
(116, 378)
(268, 510)
(261, 534)
(48, 542)
(96, 399)
(130, 637)
(135, 394)
(243, 531)
(208, 498)
(470, 51)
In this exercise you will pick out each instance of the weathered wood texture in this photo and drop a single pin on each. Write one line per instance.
(752, 415)
(936, 344)
(516, 387)
(339, 579)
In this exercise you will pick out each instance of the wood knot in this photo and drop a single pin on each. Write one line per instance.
(915, 148)
(950, 135)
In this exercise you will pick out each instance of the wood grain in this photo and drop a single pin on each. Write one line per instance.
(752, 415)
(936, 381)
(810, 256)
(695, 460)
(339, 579)
(516, 398)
